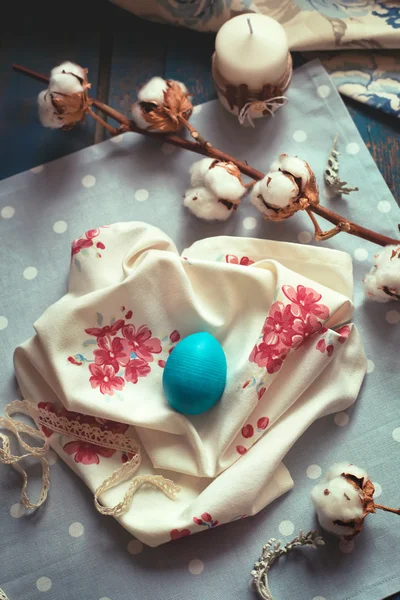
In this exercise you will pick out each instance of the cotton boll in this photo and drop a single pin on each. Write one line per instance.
(153, 91)
(257, 201)
(202, 203)
(382, 283)
(294, 165)
(198, 171)
(65, 84)
(138, 118)
(47, 114)
(68, 67)
(338, 469)
(337, 503)
(223, 181)
(278, 189)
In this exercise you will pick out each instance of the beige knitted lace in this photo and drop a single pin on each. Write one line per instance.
(3, 595)
(80, 431)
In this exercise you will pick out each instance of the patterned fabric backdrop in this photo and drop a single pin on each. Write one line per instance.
(368, 77)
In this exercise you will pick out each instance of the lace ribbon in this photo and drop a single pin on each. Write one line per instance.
(80, 431)
(261, 106)
(3, 595)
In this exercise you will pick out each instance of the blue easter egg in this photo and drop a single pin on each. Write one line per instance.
(195, 374)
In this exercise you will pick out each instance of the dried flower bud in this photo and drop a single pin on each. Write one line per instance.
(160, 103)
(343, 500)
(289, 186)
(382, 283)
(65, 102)
(217, 189)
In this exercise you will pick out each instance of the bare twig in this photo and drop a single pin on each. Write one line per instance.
(110, 128)
(206, 149)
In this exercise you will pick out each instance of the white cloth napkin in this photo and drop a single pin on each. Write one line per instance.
(278, 311)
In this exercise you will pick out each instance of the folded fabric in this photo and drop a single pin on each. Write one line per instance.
(279, 311)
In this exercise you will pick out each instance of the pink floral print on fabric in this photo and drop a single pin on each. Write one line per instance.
(206, 520)
(288, 326)
(123, 353)
(234, 260)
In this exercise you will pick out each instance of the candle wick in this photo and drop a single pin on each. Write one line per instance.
(250, 26)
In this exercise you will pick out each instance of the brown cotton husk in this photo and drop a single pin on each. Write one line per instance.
(165, 117)
(366, 489)
(72, 108)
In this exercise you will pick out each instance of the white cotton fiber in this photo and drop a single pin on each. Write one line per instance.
(153, 91)
(337, 500)
(138, 118)
(204, 205)
(294, 165)
(256, 200)
(68, 67)
(65, 84)
(223, 184)
(47, 114)
(198, 171)
(182, 86)
(382, 283)
(278, 189)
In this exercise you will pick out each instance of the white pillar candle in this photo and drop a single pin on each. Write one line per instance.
(251, 49)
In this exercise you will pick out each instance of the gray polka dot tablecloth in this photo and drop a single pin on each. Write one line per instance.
(66, 549)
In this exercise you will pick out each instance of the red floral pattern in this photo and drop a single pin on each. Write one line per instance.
(241, 449)
(176, 534)
(206, 520)
(248, 431)
(86, 241)
(141, 342)
(234, 260)
(261, 392)
(343, 333)
(105, 378)
(262, 423)
(289, 326)
(124, 352)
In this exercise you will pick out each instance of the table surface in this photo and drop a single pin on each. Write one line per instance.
(121, 53)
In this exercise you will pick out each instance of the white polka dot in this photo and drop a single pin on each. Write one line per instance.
(346, 546)
(392, 317)
(249, 223)
(168, 149)
(304, 237)
(341, 419)
(3, 322)
(135, 547)
(286, 527)
(76, 530)
(196, 566)
(104, 598)
(141, 195)
(384, 206)
(52, 457)
(396, 434)
(43, 584)
(30, 273)
(88, 181)
(314, 471)
(60, 227)
(352, 148)
(370, 366)
(361, 254)
(7, 212)
(252, 585)
(17, 510)
(378, 489)
(299, 136)
(197, 109)
(319, 597)
(117, 139)
(323, 91)
(38, 169)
